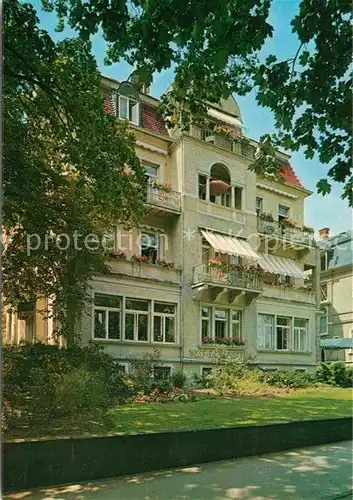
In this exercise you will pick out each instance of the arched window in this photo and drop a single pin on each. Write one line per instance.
(220, 188)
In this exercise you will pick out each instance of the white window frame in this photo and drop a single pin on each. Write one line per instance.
(136, 313)
(278, 210)
(164, 366)
(163, 317)
(298, 331)
(259, 209)
(107, 310)
(261, 343)
(158, 240)
(208, 368)
(125, 364)
(326, 315)
(129, 118)
(270, 332)
(148, 163)
(287, 328)
(234, 187)
(211, 318)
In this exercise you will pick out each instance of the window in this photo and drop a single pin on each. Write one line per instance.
(202, 186)
(259, 205)
(162, 372)
(151, 171)
(323, 322)
(123, 367)
(137, 320)
(323, 261)
(206, 371)
(265, 331)
(205, 322)
(238, 193)
(106, 317)
(300, 335)
(163, 322)
(129, 109)
(220, 323)
(235, 331)
(283, 212)
(283, 327)
(149, 244)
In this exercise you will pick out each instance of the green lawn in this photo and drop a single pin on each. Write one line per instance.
(305, 404)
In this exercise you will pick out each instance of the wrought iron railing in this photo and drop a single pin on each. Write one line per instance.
(163, 198)
(228, 275)
(277, 230)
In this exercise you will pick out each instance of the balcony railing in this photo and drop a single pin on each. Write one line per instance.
(237, 278)
(323, 293)
(276, 230)
(221, 140)
(161, 198)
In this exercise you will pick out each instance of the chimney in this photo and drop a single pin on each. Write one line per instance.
(324, 233)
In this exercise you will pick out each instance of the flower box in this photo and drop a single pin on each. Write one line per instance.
(266, 216)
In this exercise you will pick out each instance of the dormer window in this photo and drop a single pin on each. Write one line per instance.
(129, 109)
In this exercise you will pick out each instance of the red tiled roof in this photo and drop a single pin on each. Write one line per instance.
(151, 120)
(289, 175)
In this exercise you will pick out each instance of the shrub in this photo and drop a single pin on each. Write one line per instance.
(81, 389)
(178, 379)
(336, 373)
(288, 379)
(32, 372)
(141, 371)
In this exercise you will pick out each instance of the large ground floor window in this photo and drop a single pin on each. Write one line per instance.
(133, 320)
(282, 333)
(217, 324)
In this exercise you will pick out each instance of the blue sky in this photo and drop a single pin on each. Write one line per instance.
(320, 211)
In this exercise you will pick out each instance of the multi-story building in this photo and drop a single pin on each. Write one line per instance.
(336, 320)
(220, 255)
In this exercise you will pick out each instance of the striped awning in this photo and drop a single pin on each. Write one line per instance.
(224, 117)
(229, 244)
(342, 343)
(280, 265)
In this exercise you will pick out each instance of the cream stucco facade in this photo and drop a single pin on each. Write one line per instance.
(183, 306)
(336, 320)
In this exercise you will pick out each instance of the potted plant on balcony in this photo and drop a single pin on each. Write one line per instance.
(288, 223)
(169, 264)
(141, 258)
(217, 263)
(307, 229)
(266, 216)
(118, 254)
(218, 269)
(166, 188)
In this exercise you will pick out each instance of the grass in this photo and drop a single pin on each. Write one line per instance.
(303, 404)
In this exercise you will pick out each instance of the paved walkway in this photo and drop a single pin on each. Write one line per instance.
(319, 472)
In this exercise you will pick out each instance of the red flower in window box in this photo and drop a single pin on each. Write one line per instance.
(141, 258)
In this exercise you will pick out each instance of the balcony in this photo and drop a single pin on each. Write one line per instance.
(229, 284)
(290, 294)
(152, 272)
(162, 200)
(292, 236)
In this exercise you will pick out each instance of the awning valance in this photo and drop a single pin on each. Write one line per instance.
(280, 265)
(224, 117)
(229, 244)
(342, 343)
